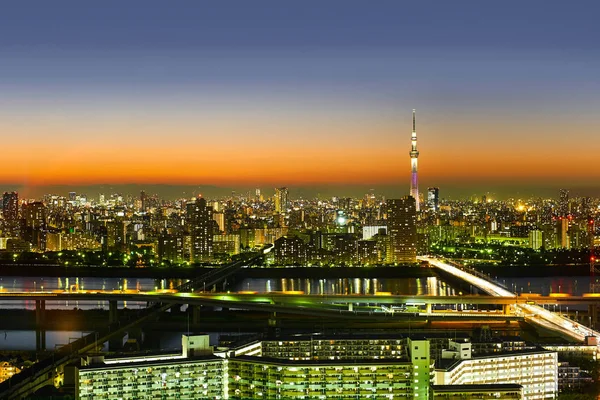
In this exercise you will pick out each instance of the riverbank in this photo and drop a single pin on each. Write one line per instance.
(535, 271)
(189, 272)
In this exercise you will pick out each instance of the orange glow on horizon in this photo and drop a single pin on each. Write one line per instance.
(280, 151)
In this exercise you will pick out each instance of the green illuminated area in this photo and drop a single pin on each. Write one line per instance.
(508, 255)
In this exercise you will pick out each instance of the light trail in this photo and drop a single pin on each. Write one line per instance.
(532, 313)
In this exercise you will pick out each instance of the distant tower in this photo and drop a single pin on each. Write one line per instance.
(414, 155)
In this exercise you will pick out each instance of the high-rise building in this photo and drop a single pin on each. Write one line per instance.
(116, 234)
(281, 200)
(563, 203)
(200, 223)
(321, 367)
(10, 212)
(219, 218)
(226, 244)
(402, 230)
(290, 251)
(562, 233)
(34, 229)
(143, 201)
(535, 370)
(171, 248)
(433, 199)
(536, 239)
(414, 155)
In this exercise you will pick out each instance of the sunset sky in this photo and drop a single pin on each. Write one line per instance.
(306, 94)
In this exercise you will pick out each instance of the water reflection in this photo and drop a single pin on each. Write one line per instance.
(62, 284)
(348, 286)
(546, 285)
(25, 340)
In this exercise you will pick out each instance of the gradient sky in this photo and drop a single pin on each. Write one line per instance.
(306, 94)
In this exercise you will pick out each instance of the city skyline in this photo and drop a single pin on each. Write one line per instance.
(316, 100)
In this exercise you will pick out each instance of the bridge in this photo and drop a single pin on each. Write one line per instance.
(531, 312)
(21, 385)
(374, 307)
(228, 299)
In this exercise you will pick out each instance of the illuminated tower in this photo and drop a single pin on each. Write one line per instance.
(414, 155)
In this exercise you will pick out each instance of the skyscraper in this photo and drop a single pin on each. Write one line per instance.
(200, 223)
(433, 199)
(414, 155)
(402, 230)
(563, 203)
(562, 233)
(143, 201)
(10, 212)
(34, 229)
(281, 200)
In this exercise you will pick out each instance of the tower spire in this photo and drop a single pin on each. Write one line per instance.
(414, 155)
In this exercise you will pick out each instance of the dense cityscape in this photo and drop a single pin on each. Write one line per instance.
(82, 236)
(292, 200)
(114, 230)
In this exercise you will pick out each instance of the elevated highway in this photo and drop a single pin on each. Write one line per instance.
(203, 298)
(530, 310)
(42, 373)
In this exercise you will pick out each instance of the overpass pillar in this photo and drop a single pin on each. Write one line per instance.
(506, 309)
(350, 306)
(135, 339)
(113, 312)
(428, 308)
(40, 339)
(195, 310)
(593, 313)
(40, 312)
(40, 319)
(273, 319)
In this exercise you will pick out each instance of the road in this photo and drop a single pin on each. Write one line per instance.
(532, 313)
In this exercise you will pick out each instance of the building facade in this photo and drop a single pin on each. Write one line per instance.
(319, 368)
(200, 224)
(402, 230)
(536, 371)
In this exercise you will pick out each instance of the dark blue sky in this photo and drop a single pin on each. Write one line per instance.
(502, 25)
(501, 88)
